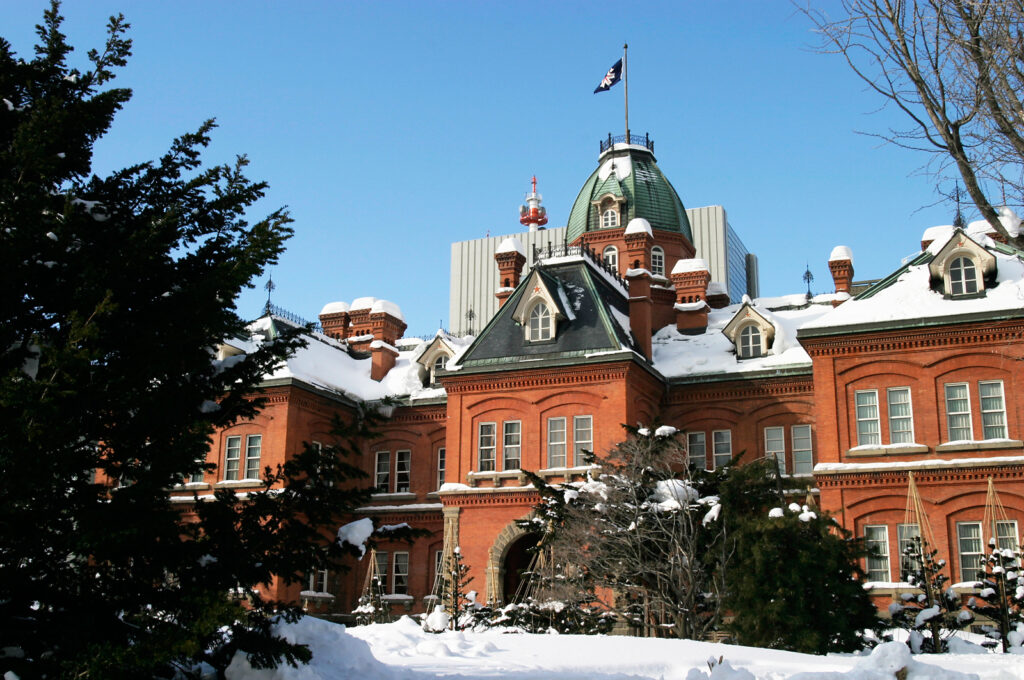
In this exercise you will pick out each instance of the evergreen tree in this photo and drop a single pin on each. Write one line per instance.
(1001, 598)
(935, 611)
(113, 292)
(799, 586)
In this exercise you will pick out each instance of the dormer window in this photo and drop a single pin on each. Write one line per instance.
(962, 266)
(657, 261)
(963, 277)
(611, 256)
(750, 345)
(609, 218)
(539, 327)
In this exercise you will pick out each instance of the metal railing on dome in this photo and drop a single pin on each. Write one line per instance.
(564, 249)
(633, 139)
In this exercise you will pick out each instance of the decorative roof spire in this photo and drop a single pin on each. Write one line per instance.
(533, 214)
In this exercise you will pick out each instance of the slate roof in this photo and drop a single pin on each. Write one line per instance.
(596, 322)
(648, 194)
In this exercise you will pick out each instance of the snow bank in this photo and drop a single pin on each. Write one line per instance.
(885, 662)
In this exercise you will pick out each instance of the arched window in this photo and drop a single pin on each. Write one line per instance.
(539, 327)
(657, 261)
(963, 276)
(438, 365)
(610, 218)
(750, 342)
(611, 257)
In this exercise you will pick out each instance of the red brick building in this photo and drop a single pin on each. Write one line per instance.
(916, 373)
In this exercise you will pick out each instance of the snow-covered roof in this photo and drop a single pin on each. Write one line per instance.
(334, 308)
(387, 307)
(841, 253)
(326, 363)
(679, 355)
(639, 225)
(510, 245)
(908, 294)
(373, 304)
(694, 264)
(622, 165)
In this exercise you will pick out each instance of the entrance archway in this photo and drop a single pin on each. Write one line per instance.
(517, 559)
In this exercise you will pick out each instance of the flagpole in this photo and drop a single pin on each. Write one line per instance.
(625, 77)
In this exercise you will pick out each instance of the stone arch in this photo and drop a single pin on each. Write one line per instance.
(511, 534)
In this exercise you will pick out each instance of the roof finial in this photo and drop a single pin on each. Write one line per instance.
(808, 277)
(269, 287)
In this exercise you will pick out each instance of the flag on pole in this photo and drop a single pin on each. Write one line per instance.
(613, 76)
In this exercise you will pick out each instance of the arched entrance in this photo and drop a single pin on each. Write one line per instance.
(517, 560)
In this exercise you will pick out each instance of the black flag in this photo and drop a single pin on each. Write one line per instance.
(613, 76)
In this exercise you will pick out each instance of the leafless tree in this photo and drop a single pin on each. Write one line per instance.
(639, 533)
(955, 68)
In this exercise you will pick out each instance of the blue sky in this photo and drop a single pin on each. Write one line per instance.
(392, 129)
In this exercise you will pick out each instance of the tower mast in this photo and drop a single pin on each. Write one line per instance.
(625, 77)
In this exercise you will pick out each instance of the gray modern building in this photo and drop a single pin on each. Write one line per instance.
(474, 275)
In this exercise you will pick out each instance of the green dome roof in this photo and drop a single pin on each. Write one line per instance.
(629, 171)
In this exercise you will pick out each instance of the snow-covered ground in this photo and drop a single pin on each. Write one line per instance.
(402, 651)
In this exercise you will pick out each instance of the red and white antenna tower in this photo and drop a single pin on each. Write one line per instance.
(533, 214)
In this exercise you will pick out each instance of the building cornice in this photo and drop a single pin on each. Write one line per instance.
(937, 333)
(567, 374)
(743, 387)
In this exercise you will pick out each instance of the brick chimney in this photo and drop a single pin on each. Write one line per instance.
(691, 278)
(639, 239)
(718, 296)
(640, 309)
(334, 319)
(387, 325)
(840, 262)
(510, 256)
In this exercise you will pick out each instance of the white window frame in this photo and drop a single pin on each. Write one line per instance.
(750, 342)
(905, 535)
(382, 568)
(803, 456)
(440, 466)
(400, 573)
(657, 261)
(582, 438)
(437, 365)
(253, 453)
(901, 428)
(991, 431)
(486, 446)
(232, 457)
(403, 470)
(557, 447)
(611, 256)
(721, 454)
(382, 474)
(961, 413)
(609, 218)
(964, 276)
(878, 564)
(512, 445)
(969, 558)
(317, 581)
(539, 322)
(865, 435)
(1007, 537)
(775, 446)
(695, 441)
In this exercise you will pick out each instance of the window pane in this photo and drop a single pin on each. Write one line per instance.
(696, 444)
(969, 539)
(750, 342)
(253, 444)
(901, 422)
(775, 446)
(232, 454)
(909, 536)
(403, 460)
(540, 322)
(867, 418)
(803, 454)
(993, 409)
(440, 467)
(877, 539)
(611, 256)
(556, 442)
(1007, 537)
(583, 437)
(382, 569)
(958, 412)
(657, 261)
(486, 445)
(963, 277)
(383, 480)
(512, 445)
(722, 442)
(400, 576)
